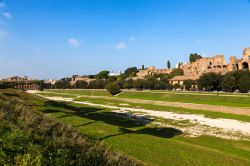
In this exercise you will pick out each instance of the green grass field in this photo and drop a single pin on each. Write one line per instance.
(117, 102)
(242, 100)
(234, 101)
(148, 143)
(87, 92)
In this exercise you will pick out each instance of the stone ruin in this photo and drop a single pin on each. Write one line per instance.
(217, 64)
(152, 70)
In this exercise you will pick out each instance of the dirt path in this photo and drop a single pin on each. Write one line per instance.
(226, 125)
(205, 107)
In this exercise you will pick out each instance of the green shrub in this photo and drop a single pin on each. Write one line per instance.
(189, 84)
(210, 82)
(113, 88)
(228, 83)
(244, 84)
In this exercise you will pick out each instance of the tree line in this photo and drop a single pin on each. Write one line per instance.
(232, 81)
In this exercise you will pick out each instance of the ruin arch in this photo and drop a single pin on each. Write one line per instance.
(245, 65)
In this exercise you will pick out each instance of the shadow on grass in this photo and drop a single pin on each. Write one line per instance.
(167, 132)
(122, 120)
(11, 94)
(85, 124)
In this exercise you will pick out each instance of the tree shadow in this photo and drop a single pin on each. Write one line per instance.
(120, 119)
(168, 132)
(98, 114)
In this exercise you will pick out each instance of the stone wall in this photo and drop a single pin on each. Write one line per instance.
(152, 71)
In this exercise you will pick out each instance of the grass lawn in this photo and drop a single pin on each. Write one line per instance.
(152, 145)
(116, 102)
(193, 97)
(234, 101)
(202, 93)
(88, 92)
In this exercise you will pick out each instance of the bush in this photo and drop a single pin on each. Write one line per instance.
(96, 84)
(139, 84)
(228, 83)
(244, 84)
(210, 82)
(176, 72)
(62, 84)
(128, 84)
(188, 84)
(131, 71)
(160, 85)
(113, 88)
(80, 84)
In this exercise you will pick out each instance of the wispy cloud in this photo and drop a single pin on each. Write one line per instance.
(3, 33)
(74, 42)
(131, 39)
(122, 45)
(2, 5)
(7, 15)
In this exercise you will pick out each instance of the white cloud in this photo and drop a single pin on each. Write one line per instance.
(121, 46)
(2, 5)
(7, 15)
(132, 39)
(74, 42)
(3, 34)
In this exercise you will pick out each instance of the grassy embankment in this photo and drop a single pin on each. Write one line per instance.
(29, 137)
(151, 144)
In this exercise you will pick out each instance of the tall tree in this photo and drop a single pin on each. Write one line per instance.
(142, 67)
(210, 82)
(228, 83)
(168, 64)
(131, 71)
(103, 74)
(176, 72)
(194, 57)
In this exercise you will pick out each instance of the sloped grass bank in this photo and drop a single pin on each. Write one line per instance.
(28, 137)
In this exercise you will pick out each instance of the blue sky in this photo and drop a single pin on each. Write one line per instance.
(58, 38)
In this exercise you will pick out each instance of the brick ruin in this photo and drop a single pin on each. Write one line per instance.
(79, 78)
(152, 71)
(216, 64)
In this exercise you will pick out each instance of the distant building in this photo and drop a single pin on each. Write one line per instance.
(50, 81)
(26, 86)
(180, 79)
(80, 78)
(114, 74)
(17, 79)
(22, 83)
(152, 70)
